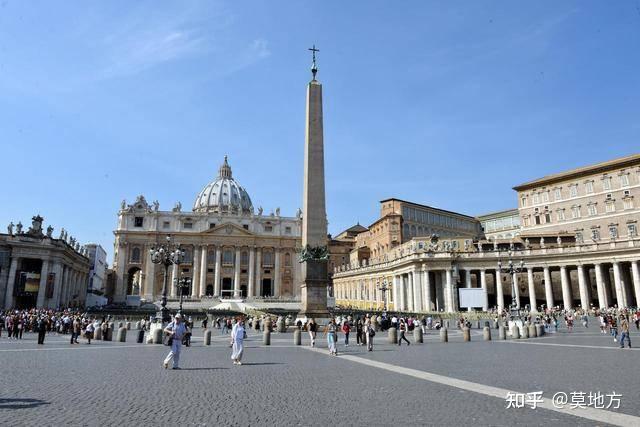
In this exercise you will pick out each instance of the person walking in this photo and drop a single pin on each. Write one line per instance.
(360, 337)
(624, 331)
(402, 328)
(369, 333)
(41, 326)
(331, 332)
(175, 330)
(237, 339)
(75, 330)
(88, 331)
(313, 330)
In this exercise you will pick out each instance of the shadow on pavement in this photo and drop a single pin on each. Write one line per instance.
(21, 403)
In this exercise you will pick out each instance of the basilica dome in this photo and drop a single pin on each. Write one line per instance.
(223, 195)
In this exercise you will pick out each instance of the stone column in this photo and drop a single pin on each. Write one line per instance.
(204, 254)
(467, 282)
(426, 284)
(57, 287)
(635, 273)
(276, 273)
(417, 290)
(216, 284)
(403, 292)
(483, 285)
(515, 289)
(410, 293)
(11, 283)
(195, 274)
(149, 288)
(251, 285)
(499, 290)
(120, 292)
(582, 286)
(43, 283)
(174, 281)
(532, 290)
(566, 288)
(236, 275)
(621, 294)
(449, 291)
(548, 287)
(602, 296)
(259, 272)
(395, 293)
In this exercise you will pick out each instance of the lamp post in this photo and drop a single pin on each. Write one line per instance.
(384, 288)
(512, 269)
(166, 254)
(183, 283)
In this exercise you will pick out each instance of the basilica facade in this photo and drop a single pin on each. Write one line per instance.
(232, 250)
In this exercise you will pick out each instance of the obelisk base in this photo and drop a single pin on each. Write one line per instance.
(314, 291)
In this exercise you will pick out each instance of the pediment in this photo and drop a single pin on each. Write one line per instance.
(228, 229)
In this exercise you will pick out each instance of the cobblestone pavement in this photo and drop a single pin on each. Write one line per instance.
(109, 383)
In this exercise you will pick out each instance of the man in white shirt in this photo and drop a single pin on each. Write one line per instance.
(175, 330)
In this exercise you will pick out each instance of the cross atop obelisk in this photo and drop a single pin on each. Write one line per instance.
(314, 67)
(314, 215)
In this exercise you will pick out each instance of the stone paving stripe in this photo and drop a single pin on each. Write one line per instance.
(615, 347)
(599, 415)
(97, 347)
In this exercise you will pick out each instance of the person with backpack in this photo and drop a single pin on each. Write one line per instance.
(402, 328)
(174, 333)
(369, 332)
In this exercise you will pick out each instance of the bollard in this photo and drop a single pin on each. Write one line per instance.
(281, 326)
(525, 331)
(97, 334)
(137, 325)
(140, 336)
(502, 333)
(266, 337)
(486, 324)
(297, 337)
(128, 324)
(392, 336)
(486, 333)
(207, 337)
(444, 335)
(478, 324)
(532, 331)
(157, 335)
(108, 336)
(515, 332)
(466, 334)
(122, 334)
(539, 330)
(417, 335)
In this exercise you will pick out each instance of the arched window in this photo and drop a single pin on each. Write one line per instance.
(135, 255)
(188, 255)
(227, 257)
(211, 256)
(244, 258)
(267, 259)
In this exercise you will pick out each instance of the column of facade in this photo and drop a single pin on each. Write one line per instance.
(548, 287)
(467, 282)
(582, 287)
(635, 274)
(410, 292)
(532, 290)
(149, 286)
(395, 293)
(259, 273)
(485, 293)
(621, 293)
(57, 287)
(426, 286)
(11, 282)
(252, 260)
(204, 264)
(566, 289)
(121, 284)
(44, 272)
(195, 274)
(216, 275)
(276, 276)
(499, 291)
(173, 288)
(236, 275)
(515, 290)
(418, 300)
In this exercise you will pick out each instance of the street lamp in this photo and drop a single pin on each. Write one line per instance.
(512, 269)
(183, 284)
(384, 288)
(166, 254)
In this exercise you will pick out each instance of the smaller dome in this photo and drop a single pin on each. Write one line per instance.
(224, 195)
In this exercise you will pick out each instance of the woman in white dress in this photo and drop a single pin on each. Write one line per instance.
(237, 338)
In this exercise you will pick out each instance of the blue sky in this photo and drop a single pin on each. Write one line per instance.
(443, 103)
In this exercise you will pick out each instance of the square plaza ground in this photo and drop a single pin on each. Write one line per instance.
(109, 383)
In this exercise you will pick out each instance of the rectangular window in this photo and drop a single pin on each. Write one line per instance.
(573, 190)
(595, 234)
(245, 226)
(523, 201)
(588, 187)
(268, 228)
(287, 230)
(536, 199)
(613, 231)
(592, 210)
(137, 221)
(624, 180)
(537, 219)
(166, 224)
(628, 203)
(547, 217)
(575, 212)
(606, 183)
(188, 225)
(560, 214)
(545, 196)
(558, 194)
(212, 225)
(632, 230)
(525, 221)
(610, 207)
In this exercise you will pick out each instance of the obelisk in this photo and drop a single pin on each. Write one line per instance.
(314, 215)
